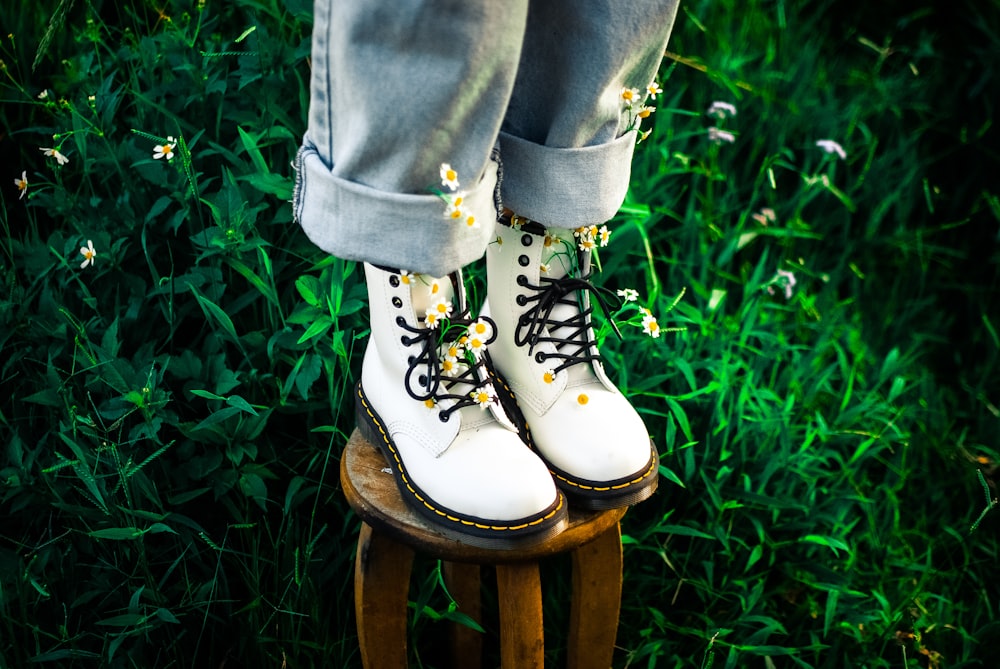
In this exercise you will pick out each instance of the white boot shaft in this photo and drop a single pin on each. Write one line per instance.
(428, 402)
(540, 296)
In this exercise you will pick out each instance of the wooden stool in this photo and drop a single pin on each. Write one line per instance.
(391, 533)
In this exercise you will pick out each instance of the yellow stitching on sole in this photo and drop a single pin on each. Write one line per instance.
(619, 486)
(405, 478)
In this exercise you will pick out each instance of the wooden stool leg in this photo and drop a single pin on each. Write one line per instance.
(519, 590)
(381, 591)
(463, 584)
(597, 593)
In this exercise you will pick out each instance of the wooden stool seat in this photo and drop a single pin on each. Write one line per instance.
(390, 535)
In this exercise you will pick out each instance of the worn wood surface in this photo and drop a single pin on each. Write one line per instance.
(381, 590)
(372, 493)
(392, 532)
(519, 591)
(597, 594)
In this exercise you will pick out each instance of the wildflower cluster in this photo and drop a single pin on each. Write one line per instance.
(589, 237)
(783, 281)
(642, 316)
(461, 346)
(720, 111)
(634, 105)
(455, 200)
(765, 216)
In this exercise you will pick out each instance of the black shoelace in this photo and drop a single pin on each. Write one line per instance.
(536, 325)
(432, 382)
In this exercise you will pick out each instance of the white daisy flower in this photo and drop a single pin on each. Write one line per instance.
(721, 109)
(54, 153)
(449, 177)
(484, 396)
(165, 150)
(831, 146)
(88, 254)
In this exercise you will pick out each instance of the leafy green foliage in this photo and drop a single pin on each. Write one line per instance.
(823, 392)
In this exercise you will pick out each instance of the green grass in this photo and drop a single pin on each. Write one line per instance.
(172, 417)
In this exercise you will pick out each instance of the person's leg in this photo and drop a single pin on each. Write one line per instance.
(398, 89)
(566, 154)
(567, 160)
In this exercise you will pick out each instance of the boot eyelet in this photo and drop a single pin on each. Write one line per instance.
(526, 240)
(540, 357)
(394, 281)
(404, 340)
(422, 379)
(443, 417)
(521, 300)
(410, 359)
(523, 260)
(521, 280)
(396, 302)
(400, 321)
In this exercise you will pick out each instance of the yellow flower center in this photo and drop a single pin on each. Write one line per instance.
(548, 377)
(582, 399)
(451, 175)
(429, 402)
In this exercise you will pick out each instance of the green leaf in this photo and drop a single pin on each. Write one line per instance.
(207, 395)
(831, 543)
(308, 287)
(116, 533)
(123, 620)
(214, 312)
(254, 487)
(684, 531)
(241, 404)
(318, 327)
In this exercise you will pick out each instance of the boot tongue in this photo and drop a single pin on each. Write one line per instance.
(427, 291)
(562, 258)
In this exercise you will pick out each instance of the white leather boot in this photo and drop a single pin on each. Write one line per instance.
(429, 401)
(539, 292)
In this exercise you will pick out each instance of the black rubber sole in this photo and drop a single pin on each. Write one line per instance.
(479, 532)
(584, 494)
(604, 495)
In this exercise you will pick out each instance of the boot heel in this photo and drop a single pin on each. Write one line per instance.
(370, 425)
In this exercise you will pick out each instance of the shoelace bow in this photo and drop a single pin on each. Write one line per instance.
(532, 325)
(432, 382)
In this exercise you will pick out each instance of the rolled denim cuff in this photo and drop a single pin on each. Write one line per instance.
(406, 231)
(565, 188)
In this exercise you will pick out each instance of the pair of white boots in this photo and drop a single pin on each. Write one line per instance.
(492, 425)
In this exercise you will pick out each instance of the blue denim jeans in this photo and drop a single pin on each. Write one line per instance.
(401, 86)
